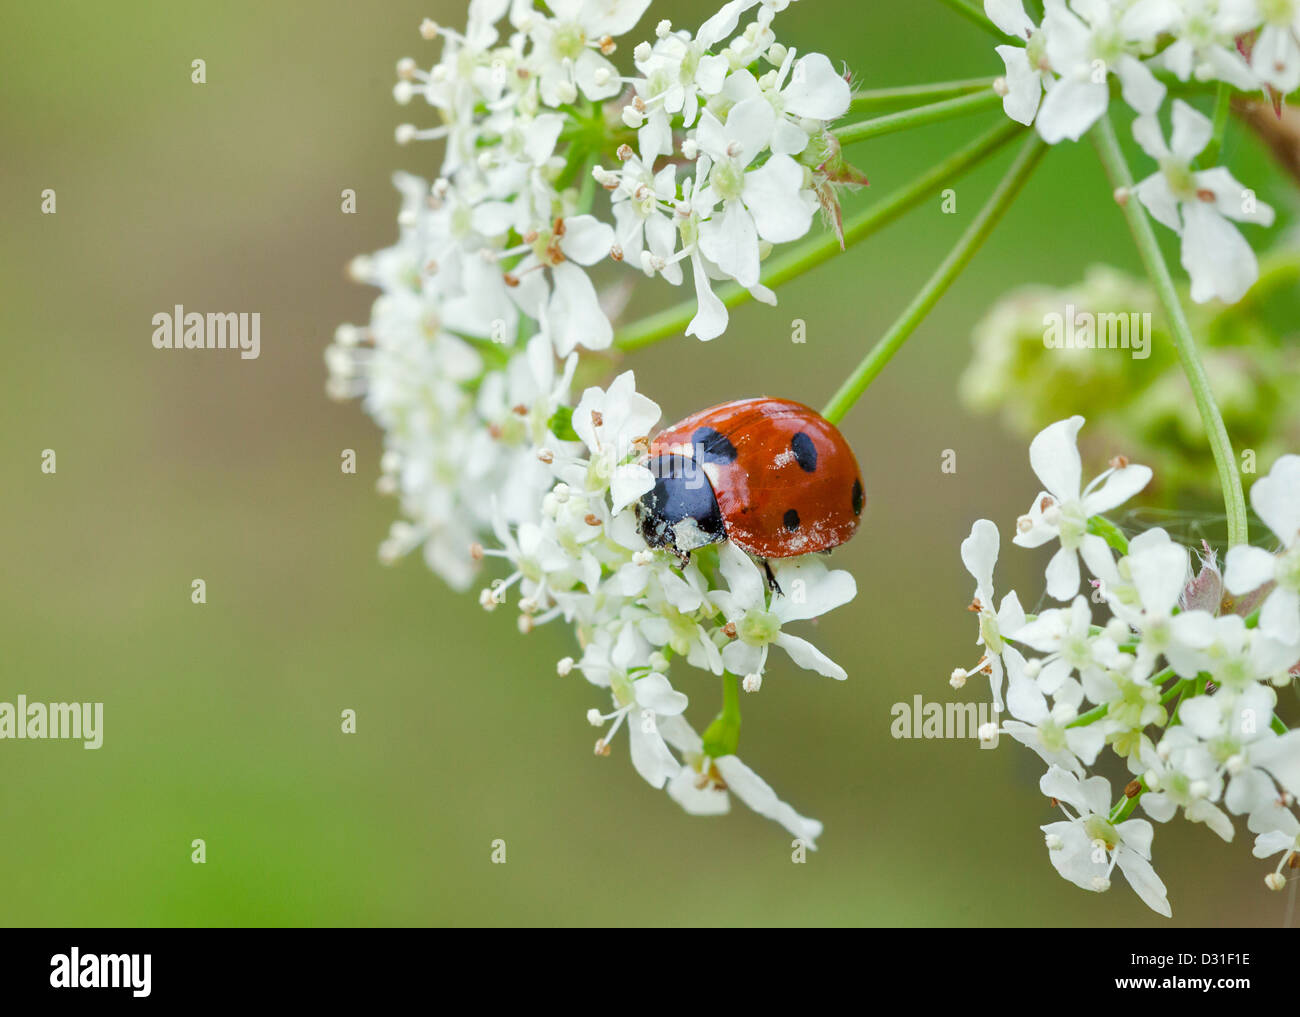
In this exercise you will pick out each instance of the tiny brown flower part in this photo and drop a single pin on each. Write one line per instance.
(729, 630)
(1047, 502)
(520, 411)
(974, 605)
(591, 519)
(596, 419)
(1132, 789)
(1118, 462)
(607, 45)
(476, 551)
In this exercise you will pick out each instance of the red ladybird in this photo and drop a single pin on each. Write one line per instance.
(772, 476)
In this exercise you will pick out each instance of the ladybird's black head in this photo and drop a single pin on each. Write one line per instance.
(680, 512)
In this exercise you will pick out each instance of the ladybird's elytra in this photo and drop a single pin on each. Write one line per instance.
(771, 475)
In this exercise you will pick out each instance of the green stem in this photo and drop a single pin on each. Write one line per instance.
(587, 188)
(958, 258)
(1090, 716)
(879, 98)
(1123, 808)
(906, 119)
(975, 17)
(813, 252)
(1222, 107)
(1176, 689)
(1140, 225)
(723, 735)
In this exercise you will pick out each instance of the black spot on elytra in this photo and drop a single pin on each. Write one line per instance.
(858, 498)
(712, 446)
(805, 452)
(791, 519)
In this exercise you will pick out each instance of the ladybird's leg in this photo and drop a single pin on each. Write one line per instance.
(772, 584)
(683, 557)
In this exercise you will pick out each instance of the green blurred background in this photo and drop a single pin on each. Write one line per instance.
(222, 720)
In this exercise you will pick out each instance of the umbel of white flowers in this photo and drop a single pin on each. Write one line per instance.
(468, 358)
(1103, 670)
(1057, 78)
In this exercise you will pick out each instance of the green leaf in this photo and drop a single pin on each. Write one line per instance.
(561, 424)
(1109, 532)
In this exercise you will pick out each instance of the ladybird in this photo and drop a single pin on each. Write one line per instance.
(774, 477)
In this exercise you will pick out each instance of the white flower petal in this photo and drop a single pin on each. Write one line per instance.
(1054, 456)
(1118, 487)
(1279, 618)
(816, 90)
(1192, 131)
(1217, 258)
(1024, 85)
(1140, 88)
(650, 756)
(1070, 107)
(1276, 498)
(731, 243)
(773, 196)
(586, 239)
(979, 553)
(751, 789)
(1148, 886)
(1010, 16)
(1063, 574)
(710, 319)
(1248, 568)
(809, 657)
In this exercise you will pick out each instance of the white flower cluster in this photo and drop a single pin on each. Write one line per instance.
(729, 155)
(1058, 79)
(722, 150)
(1177, 678)
(635, 610)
